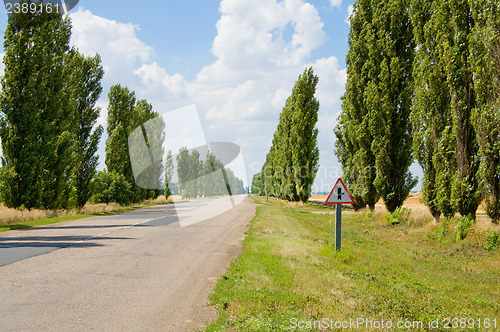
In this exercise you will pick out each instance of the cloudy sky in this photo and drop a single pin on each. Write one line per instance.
(236, 60)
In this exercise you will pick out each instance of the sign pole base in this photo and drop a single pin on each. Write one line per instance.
(338, 227)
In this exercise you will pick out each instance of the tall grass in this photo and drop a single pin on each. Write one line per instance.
(290, 271)
(12, 216)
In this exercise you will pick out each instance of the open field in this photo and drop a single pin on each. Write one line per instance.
(419, 211)
(418, 275)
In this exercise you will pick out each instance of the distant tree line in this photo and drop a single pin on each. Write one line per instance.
(206, 177)
(48, 118)
(424, 83)
(292, 162)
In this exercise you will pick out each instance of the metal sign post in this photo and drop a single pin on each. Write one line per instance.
(339, 195)
(338, 227)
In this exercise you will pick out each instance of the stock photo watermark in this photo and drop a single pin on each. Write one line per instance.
(39, 6)
(381, 324)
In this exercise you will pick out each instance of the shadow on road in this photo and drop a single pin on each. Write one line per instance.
(53, 241)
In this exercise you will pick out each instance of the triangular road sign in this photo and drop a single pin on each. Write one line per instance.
(339, 194)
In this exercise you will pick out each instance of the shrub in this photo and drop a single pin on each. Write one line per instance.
(111, 187)
(399, 216)
(444, 227)
(463, 226)
(493, 241)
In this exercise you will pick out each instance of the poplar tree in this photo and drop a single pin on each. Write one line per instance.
(431, 114)
(292, 162)
(374, 133)
(36, 122)
(304, 134)
(485, 43)
(455, 25)
(354, 140)
(84, 86)
(189, 171)
(124, 115)
(120, 124)
(388, 96)
(153, 132)
(281, 161)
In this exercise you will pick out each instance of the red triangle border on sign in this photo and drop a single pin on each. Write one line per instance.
(347, 191)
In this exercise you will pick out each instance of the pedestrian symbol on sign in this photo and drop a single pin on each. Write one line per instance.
(337, 197)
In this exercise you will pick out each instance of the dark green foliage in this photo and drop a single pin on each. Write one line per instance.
(121, 122)
(84, 84)
(37, 123)
(258, 185)
(485, 50)
(455, 109)
(388, 98)
(304, 134)
(354, 140)
(111, 187)
(374, 138)
(8, 180)
(125, 114)
(456, 31)
(292, 162)
(431, 114)
(48, 114)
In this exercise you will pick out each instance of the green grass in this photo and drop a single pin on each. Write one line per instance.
(50, 221)
(289, 269)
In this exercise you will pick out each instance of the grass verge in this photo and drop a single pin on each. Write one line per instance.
(289, 272)
(24, 219)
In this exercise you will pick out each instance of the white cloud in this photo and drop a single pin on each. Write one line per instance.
(127, 60)
(335, 3)
(156, 81)
(350, 10)
(256, 66)
(116, 42)
(249, 36)
(244, 90)
(261, 48)
(332, 80)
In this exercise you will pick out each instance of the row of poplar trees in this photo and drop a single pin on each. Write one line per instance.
(424, 83)
(206, 177)
(48, 113)
(292, 162)
(118, 183)
(48, 117)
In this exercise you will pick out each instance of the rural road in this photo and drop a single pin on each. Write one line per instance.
(136, 271)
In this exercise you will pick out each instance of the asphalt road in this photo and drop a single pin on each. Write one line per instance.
(136, 271)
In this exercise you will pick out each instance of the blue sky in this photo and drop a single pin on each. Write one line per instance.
(236, 60)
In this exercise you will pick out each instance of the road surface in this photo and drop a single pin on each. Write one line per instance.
(136, 271)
